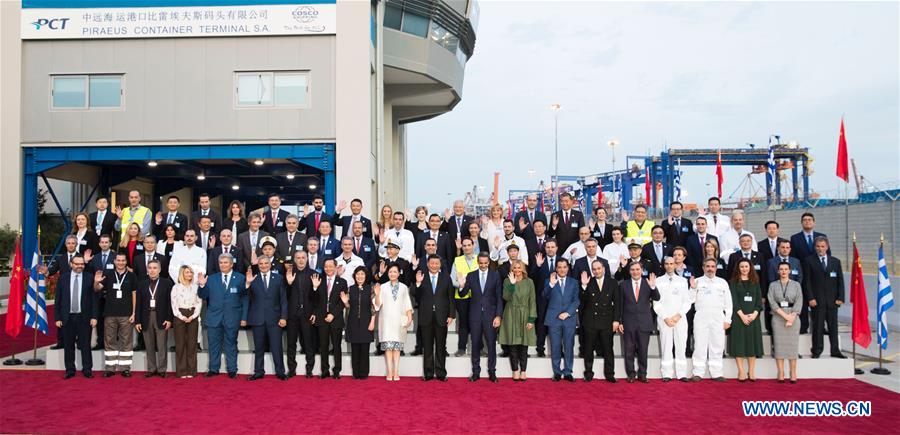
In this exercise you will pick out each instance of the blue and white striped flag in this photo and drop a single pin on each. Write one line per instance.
(678, 181)
(770, 174)
(36, 299)
(885, 299)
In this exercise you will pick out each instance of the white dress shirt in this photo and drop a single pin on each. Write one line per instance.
(193, 256)
(717, 225)
(579, 252)
(349, 266)
(406, 240)
(500, 255)
(730, 242)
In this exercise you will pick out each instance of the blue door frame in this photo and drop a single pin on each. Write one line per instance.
(37, 160)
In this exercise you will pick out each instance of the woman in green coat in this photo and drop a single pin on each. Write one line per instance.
(519, 314)
(746, 332)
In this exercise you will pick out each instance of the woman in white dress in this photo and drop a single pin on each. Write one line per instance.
(492, 227)
(614, 252)
(394, 317)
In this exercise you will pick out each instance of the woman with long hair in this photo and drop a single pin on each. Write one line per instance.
(167, 245)
(394, 318)
(383, 223)
(235, 219)
(473, 232)
(186, 308)
(360, 322)
(87, 240)
(519, 315)
(746, 332)
(786, 300)
(492, 225)
(131, 243)
(711, 249)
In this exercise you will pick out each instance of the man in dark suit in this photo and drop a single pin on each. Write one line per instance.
(101, 261)
(601, 230)
(561, 292)
(330, 292)
(433, 293)
(656, 251)
(153, 318)
(526, 218)
(694, 244)
(600, 316)
(535, 243)
(803, 246)
(583, 265)
(206, 235)
(300, 315)
(346, 222)
(746, 251)
(565, 223)
(225, 246)
(784, 256)
(364, 247)
(539, 271)
(457, 224)
(677, 228)
(267, 315)
(311, 221)
(446, 247)
(248, 241)
(291, 240)
(205, 210)
(634, 256)
(75, 311)
(274, 216)
(825, 287)
(485, 311)
(170, 217)
(329, 247)
(767, 249)
(315, 259)
(142, 260)
(637, 320)
(226, 307)
(60, 263)
(104, 220)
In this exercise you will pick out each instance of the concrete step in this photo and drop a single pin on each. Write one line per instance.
(458, 367)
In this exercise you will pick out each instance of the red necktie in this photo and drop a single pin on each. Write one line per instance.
(637, 291)
(317, 222)
(357, 245)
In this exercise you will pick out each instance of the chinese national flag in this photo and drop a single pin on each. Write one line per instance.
(841, 171)
(720, 177)
(599, 194)
(861, 334)
(647, 187)
(15, 316)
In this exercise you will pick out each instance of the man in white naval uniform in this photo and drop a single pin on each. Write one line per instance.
(671, 318)
(712, 302)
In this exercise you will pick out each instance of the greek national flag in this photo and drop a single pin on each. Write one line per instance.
(678, 181)
(770, 174)
(36, 304)
(885, 299)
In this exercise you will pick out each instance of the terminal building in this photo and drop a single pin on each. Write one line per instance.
(235, 98)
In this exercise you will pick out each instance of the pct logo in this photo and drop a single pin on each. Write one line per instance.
(51, 23)
(305, 14)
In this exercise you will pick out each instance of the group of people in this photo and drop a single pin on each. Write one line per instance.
(509, 280)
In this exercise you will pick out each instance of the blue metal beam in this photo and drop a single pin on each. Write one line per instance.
(62, 213)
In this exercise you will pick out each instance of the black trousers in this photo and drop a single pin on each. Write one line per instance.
(359, 359)
(599, 340)
(805, 315)
(330, 333)
(101, 330)
(822, 316)
(518, 357)
(636, 342)
(689, 348)
(462, 324)
(300, 328)
(77, 328)
(540, 330)
(434, 338)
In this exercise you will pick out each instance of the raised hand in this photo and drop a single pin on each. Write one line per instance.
(622, 260)
(671, 219)
(624, 215)
(305, 209)
(382, 268)
(212, 241)
(341, 206)
(522, 224)
(591, 223)
(118, 211)
(497, 241)
(652, 280)
(340, 269)
(253, 258)
(446, 215)
(201, 279)
(553, 279)
(315, 280)
(512, 278)
(158, 217)
(539, 259)
(484, 221)
(250, 276)
(458, 242)
(461, 279)
(693, 282)
(98, 277)
(345, 298)
(289, 275)
(87, 256)
(376, 290)
(419, 278)
(415, 262)
(585, 278)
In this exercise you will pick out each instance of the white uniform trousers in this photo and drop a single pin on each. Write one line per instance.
(675, 336)
(709, 343)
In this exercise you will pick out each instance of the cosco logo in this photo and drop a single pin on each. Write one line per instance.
(50, 23)
(305, 14)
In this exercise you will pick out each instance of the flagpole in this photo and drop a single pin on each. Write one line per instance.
(12, 360)
(856, 370)
(35, 361)
(880, 370)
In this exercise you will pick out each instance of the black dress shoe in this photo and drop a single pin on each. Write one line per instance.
(630, 380)
(256, 376)
(684, 379)
(556, 378)
(88, 375)
(493, 378)
(815, 355)
(839, 356)
(696, 379)
(793, 381)
(427, 378)
(473, 378)
(336, 376)
(460, 353)
(503, 355)
(171, 348)
(569, 378)
(580, 355)
(541, 354)
(139, 348)
(323, 376)
(309, 374)
(720, 379)
(402, 353)
(161, 374)
(666, 379)
(56, 347)
(108, 374)
(416, 352)
(644, 380)
(208, 374)
(588, 377)
(152, 374)
(69, 376)
(442, 378)
(126, 374)
(232, 375)
(282, 377)
(292, 373)
(611, 380)
(97, 347)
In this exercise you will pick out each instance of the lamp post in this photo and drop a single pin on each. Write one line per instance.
(556, 107)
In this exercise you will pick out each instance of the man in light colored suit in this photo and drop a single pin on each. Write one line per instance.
(561, 293)
(227, 305)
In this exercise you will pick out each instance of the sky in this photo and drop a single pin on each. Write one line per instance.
(682, 75)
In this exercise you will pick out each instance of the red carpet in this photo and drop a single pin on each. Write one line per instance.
(41, 401)
(25, 341)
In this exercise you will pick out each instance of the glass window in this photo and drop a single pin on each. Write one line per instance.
(255, 89)
(461, 57)
(105, 91)
(415, 24)
(69, 92)
(392, 17)
(290, 89)
(443, 37)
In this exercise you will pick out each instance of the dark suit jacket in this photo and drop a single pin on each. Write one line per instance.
(636, 314)
(772, 270)
(622, 271)
(581, 265)
(674, 237)
(347, 230)
(278, 225)
(540, 275)
(531, 244)
(243, 242)
(163, 302)
(96, 262)
(603, 238)
(212, 258)
(63, 300)
(736, 256)
(600, 306)
(765, 254)
(800, 249)
(59, 264)
(435, 304)
(285, 251)
(318, 264)
(90, 241)
(449, 226)
(559, 301)
(225, 306)
(695, 250)
(216, 221)
(825, 286)
(486, 303)
(140, 265)
(267, 305)
(368, 251)
(180, 222)
(529, 230)
(308, 223)
(108, 226)
(446, 247)
(331, 248)
(566, 234)
(300, 296)
(649, 253)
(324, 305)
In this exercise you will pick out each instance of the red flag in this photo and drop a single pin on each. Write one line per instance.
(861, 333)
(720, 177)
(15, 316)
(599, 194)
(647, 186)
(842, 172)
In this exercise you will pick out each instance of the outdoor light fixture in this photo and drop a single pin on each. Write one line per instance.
(152, 163)
(312, 187)
(289, 176)
(201, 177)
(258, 162)
(235, 187)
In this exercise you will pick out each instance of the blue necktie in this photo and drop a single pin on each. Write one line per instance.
(809, 242)
(433, 284)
